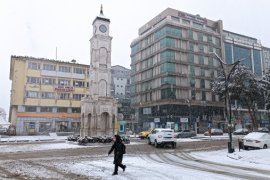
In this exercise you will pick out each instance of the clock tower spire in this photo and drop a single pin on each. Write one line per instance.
(99, 109)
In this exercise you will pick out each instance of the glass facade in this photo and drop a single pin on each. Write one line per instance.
(242, 53)
(167, 67)
(167, 55)
(249, 57)
(257, 62)
(228, 53)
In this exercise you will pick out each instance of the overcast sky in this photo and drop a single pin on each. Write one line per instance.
(36, 27)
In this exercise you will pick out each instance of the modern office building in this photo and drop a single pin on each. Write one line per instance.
(266, 59)
(253, 55)
(244, 48)
(46, 94)
(172, 66)
(121, 91)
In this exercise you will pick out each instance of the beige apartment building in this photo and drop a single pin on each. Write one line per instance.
(46, 94)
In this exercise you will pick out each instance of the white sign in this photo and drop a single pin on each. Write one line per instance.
(184, 120)
(156, 120)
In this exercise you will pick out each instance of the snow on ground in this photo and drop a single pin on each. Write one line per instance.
(138, 166)
(30, 138)
(252, 158)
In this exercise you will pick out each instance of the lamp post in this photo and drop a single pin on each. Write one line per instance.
(227, 70)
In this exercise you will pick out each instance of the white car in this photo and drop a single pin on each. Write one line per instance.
(161, 137)
(257, 140)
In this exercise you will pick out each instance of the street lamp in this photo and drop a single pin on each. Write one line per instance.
(227, 70)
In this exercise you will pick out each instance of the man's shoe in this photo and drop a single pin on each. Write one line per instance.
(124, 168)
(115, 173)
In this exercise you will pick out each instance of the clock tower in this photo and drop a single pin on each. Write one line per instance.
(99, 109)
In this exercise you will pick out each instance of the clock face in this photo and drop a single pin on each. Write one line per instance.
(103, 28)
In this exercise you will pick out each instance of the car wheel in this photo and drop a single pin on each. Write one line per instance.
(265, 146)
(173, 145)
(149, 142)
(156, 144)
(245, 148)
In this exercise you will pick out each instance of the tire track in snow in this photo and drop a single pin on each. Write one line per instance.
(201, 166)
(4, 173)
(261, 171)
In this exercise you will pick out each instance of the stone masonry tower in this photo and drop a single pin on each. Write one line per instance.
(99, 109)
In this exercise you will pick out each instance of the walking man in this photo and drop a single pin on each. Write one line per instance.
(119, 149)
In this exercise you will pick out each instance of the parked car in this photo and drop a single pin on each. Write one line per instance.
(162, 137)
(263, 129)
(241, 131)
(257, 140)
(214, 132)
(185, 134)
(144, 134)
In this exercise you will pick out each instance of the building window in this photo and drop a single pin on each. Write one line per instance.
(192, 82)
(78, 83)
(62, 109)
(64, 69)
(76, 110)
(46, 109)
(167, 55)
(210, 61)
(47, 95)
(177, 19)
(168, 80)
(202, 72)
(32, 94)
(191, 58)
(201, 60)
(167, 67)
(186, 22)
(168, 93)
(190, 34)
(167, 42)
(32, 65)
(201, 48)
(49, 67)
(77, 96)
(33, 80)
(202, 83)
(192, 70)
(78, 70)
(203, 96)
(30, 109)
(48, 81)
(63, 82)
(63, 95)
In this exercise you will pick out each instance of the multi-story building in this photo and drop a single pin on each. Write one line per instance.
(253, 55)
(120, 82)
(172, 66)
(46, 94)
(121, 90)
(244, 48)
(266, 59)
